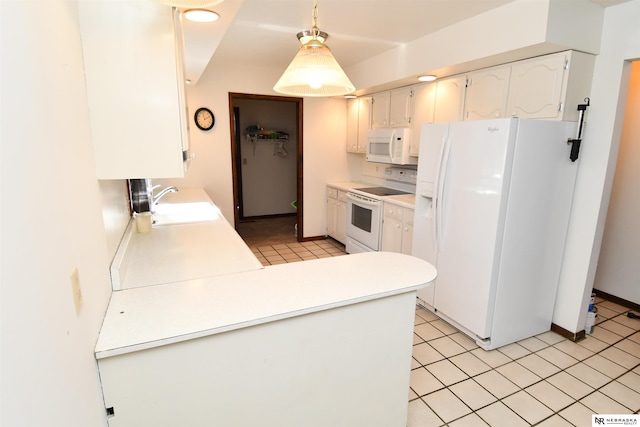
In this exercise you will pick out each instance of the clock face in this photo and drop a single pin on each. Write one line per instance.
(204, 118)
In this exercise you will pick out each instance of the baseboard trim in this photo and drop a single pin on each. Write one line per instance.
(617, 300)
(573, 336)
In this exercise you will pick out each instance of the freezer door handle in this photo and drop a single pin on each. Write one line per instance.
(438, 188)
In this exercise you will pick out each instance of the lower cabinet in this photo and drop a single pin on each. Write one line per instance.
(397, 228)
(337, 214)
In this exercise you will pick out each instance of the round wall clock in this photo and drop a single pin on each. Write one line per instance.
(204, 118)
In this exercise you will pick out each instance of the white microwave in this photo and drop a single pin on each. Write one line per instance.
(390, 146)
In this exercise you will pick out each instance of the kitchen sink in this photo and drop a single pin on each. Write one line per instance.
(177, 213)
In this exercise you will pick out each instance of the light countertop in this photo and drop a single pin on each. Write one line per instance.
(152, 316)
(191, 240)
(406, 200)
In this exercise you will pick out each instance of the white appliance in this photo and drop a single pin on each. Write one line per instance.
(493, 200)
(390, 146)
(364, 223)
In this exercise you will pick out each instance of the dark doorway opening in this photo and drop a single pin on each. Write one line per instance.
(240, 154)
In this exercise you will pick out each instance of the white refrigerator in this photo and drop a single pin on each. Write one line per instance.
(493, 200)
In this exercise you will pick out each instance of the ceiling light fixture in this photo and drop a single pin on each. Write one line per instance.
(200, 15)
(428, 78)
(191, 4)
(314, 71)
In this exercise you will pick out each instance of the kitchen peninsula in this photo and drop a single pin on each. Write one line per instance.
(308, 343)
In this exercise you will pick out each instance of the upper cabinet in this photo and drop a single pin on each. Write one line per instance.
(358, 123)
(400, 108)
(392, 108)
(450, 94)
(135, 87)
(551, 86)
(380, 110)
(424, 96)
(487, 91)
(547, 87)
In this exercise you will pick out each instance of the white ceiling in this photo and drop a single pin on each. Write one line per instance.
(264, 31)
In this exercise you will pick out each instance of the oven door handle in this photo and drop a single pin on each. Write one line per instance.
(362, 200)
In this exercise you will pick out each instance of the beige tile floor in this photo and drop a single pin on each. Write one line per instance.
(545, 380)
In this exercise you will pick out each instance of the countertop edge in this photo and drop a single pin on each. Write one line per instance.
(255, 322)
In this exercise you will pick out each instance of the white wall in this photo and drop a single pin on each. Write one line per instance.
(324, 140)
(620, 43)
(52, 221)
(618, 270)
(520, 29)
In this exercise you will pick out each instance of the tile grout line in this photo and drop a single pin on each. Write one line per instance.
(511, 359)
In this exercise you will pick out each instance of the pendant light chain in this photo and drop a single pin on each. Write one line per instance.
(314, 29)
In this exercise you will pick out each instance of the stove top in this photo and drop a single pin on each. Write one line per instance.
(381, 191)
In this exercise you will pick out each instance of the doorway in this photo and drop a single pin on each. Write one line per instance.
(266, 137)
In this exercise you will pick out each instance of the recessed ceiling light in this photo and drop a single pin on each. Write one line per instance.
(201, 15)
(428, 78)
(350, 96)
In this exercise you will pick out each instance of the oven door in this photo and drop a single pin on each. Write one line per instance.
(364, 220)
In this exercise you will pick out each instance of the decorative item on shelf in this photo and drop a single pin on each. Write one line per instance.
(314, 71)
(256, 133)
(204, 118)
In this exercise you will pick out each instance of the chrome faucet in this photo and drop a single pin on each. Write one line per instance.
(155, 199)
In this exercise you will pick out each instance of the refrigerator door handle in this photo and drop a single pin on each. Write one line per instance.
(435, 202)
(439, 192)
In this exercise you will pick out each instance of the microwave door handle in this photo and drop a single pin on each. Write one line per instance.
(392, 144)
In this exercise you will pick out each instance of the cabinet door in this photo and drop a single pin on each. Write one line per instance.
(407, 231)
(536, 87)
(332, 203)
(400, 107)
(364, 122)
(424, 97)
(134, 89)
(352, 125)
(450, 93)
(487, 92)
(341, 222)
(391, 234)
(380, 110)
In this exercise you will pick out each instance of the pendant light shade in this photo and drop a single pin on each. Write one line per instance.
(314, 71)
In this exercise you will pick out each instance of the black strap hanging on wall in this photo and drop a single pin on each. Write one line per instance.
(575, 142)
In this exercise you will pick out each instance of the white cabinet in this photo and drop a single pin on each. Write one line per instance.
(380, 110)
(400, 108)
(487, 92)
(397, 228)
(450, 95)
(551, 86)
(424, 96)
(358, 124)
(392, 108)
(135, 87)
(337, 214)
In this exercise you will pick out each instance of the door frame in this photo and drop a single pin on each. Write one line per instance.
(236, 155)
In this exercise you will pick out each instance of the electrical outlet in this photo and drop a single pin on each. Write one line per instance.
(75, 289)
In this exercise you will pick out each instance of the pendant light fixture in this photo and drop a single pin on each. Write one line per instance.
(314, 71)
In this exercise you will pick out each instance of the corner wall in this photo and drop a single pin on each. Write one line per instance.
(620, 43)
(52, 221)
(618, 270)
